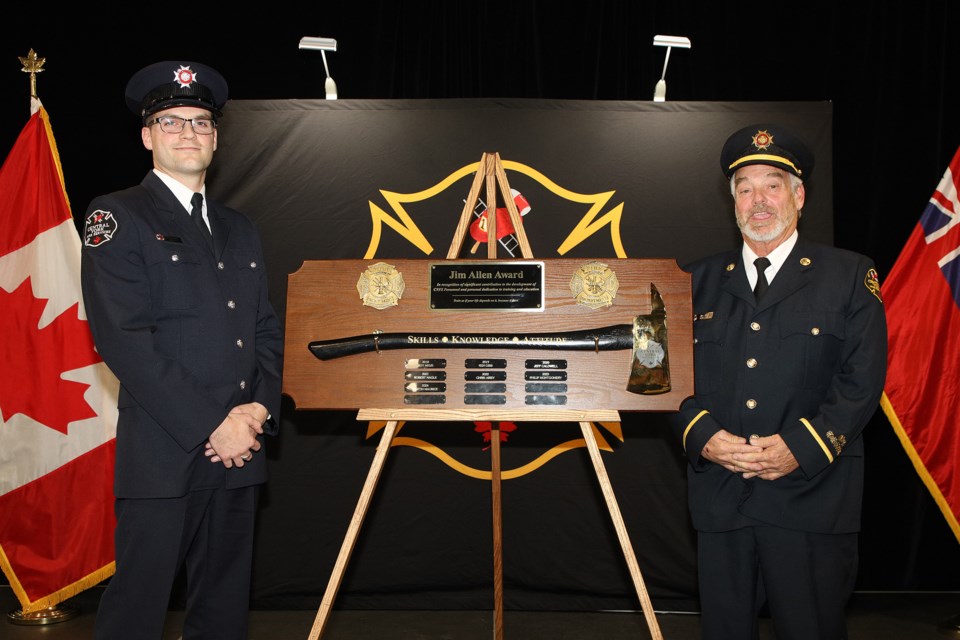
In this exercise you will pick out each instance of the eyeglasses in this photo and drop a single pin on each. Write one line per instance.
(175, 124)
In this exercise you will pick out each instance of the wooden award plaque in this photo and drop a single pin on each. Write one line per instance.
(485, 336)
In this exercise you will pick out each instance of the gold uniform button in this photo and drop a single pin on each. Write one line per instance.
(755, 326)
(815, 331)
(752, 363)
(751, 404)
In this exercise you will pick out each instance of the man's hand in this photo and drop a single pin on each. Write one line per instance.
(254, 409)
(772, 458)
(235, 440)
(731, 452)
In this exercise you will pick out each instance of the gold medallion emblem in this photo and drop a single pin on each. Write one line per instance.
(380, 286)
(594, 285)
(762, 139)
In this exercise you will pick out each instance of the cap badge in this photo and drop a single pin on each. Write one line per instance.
(184, 76)
(762, 139)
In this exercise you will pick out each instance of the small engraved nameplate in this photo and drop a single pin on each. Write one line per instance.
(555, 376)
(425, 387)
(425, 375)
(485, 363)
(426, 363)
(546, 364)
(485, 376)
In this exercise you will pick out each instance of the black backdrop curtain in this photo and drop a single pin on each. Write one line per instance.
(888, 69)
(387, 179)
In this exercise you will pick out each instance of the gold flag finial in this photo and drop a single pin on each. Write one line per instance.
(32, 65)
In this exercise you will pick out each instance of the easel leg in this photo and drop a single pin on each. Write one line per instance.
(621, 529)
(497, 532)
(326, 604)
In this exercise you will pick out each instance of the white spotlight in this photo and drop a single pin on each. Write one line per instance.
(323, 45)
(660, 92)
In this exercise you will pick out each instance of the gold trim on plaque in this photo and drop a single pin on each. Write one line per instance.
(594, 285)
(380, 286)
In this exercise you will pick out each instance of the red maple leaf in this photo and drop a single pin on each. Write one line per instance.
(32, 361)
(486, 427)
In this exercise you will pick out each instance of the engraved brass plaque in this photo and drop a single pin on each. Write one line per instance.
(487, 286)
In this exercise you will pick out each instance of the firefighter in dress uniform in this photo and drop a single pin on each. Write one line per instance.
(178, 307)
(786, 380)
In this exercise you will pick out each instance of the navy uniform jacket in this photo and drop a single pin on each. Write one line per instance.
(807, 362)
(189, 333)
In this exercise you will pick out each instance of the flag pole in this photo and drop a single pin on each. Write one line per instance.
(60, 612)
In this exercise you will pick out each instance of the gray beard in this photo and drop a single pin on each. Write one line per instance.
(766, 234)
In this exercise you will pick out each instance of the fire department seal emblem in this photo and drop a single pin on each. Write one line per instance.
(184, 76)
(594, 285)
(762, 139)
(380, 286)
(99, 228)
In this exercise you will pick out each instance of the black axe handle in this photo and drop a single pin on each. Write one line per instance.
(612, 338)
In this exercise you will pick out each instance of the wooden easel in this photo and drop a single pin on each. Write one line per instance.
(491, 173)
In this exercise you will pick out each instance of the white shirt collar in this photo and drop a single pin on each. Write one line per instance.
(777, 257)
(183, 193)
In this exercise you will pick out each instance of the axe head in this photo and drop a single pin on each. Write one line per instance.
(650, 365)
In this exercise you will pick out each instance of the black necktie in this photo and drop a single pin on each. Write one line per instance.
(761, 287)
(197, 214)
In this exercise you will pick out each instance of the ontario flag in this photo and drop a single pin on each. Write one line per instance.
(922, 299)
(57, 398)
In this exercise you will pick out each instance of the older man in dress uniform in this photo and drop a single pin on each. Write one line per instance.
(790, 357)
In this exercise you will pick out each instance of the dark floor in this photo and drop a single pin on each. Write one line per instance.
(872, 616)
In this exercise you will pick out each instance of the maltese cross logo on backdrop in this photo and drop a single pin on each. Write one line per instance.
(596, 219)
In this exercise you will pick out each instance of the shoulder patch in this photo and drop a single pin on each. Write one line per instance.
(872, 283)
(99, 228)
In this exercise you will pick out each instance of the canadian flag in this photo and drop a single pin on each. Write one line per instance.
(58, 400)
